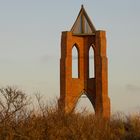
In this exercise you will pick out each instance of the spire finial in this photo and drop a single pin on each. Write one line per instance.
(83, 24)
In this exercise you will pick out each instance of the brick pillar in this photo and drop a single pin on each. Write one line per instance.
(102, 102)
(70, 88)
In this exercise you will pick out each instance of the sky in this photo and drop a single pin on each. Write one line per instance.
(30, 35)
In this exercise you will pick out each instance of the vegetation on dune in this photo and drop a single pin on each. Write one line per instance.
(20, 121)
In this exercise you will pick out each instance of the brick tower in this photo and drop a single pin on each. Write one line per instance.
(84, 36)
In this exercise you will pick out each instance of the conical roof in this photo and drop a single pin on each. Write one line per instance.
(83, 24)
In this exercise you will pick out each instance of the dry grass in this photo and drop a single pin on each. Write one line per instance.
(18, 122)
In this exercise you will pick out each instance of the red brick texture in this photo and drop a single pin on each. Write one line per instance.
(96, 88)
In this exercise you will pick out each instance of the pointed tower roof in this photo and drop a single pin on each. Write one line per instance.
(83, 24)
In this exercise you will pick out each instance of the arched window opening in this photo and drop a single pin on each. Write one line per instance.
(74, 62)
(84, 105)
(91, 63)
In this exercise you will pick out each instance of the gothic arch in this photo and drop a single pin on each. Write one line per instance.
(86, 95)
(77, 46)
(84, 104)
(91, 61)
(75, 61)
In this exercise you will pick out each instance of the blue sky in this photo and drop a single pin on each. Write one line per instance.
(30, 33)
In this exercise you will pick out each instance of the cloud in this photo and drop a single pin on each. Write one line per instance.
(75, 57)
(7, 60)
(132, 88)
(48, 58)
(44, 58)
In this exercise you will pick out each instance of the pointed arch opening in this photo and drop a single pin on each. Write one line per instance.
(91, 63)
(84, 105)
(75, 61)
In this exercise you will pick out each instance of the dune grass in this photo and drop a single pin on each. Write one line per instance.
(20, 121)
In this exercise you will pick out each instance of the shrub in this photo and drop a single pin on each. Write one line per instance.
(18, 121)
